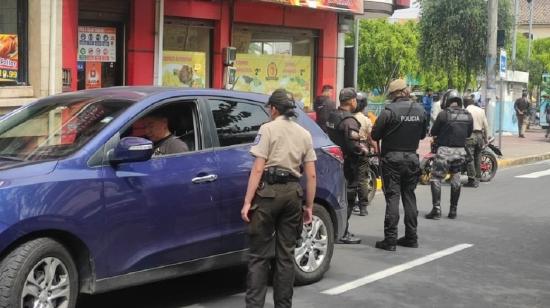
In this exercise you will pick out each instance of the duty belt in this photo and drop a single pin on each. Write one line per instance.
(274, 175)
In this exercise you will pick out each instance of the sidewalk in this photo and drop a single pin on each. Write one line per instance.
(516, 151)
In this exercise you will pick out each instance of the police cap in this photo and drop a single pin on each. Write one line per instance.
(397, 85)
(347, 93)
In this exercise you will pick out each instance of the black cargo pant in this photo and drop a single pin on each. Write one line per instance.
(400, 174)
(351, 173)
(363, 166)
(276, 224)
(475, 144)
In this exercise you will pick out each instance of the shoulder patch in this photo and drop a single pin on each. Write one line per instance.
(257, 139)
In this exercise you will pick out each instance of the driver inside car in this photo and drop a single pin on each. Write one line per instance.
(164, 142)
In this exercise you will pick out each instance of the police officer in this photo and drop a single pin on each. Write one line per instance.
(475, 143)
(400, 126)
(450, 130)
(273, 201)
(363, 164)
(343, 130)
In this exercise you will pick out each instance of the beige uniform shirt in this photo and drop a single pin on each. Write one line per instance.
(366, 125)
(480, 120)
(284, 143)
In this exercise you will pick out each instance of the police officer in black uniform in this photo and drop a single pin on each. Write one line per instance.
(343, 130)
(451, 128)
(273, 201)
(400, 126)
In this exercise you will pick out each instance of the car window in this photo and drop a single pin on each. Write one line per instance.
(237, 122)
(170, 127)
(56, 128)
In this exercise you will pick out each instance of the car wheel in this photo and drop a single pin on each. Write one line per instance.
(312, 257)
(38, 273)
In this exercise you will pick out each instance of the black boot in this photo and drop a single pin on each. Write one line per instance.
(452, 212)
(472, 183)
(386, 245)
(434, 214)
(405, 242)
(363, 210)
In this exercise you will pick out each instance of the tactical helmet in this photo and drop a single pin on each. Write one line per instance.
(361, 101)
(451, 96)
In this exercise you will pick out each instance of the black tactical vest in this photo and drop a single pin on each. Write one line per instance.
(455, 131)
(334, 131)
(406, 126)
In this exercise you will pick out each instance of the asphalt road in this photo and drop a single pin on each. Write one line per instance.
(507, 221)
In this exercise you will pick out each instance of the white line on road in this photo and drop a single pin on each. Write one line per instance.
(534, 175)
(395, 270)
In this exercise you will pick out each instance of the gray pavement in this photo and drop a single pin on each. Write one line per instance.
(507, 221)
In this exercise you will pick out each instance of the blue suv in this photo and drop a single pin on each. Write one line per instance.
(86, 206)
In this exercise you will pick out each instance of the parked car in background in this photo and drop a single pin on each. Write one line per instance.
(86, 207)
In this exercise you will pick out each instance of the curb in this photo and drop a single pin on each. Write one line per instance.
(506, 163)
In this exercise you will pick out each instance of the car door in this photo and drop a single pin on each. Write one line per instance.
(163, 211)
(237, 123)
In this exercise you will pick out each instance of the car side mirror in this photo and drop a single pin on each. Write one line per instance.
(131, 149)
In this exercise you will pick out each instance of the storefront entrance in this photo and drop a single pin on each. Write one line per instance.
(101, 43)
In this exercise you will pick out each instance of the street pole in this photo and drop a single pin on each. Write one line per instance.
(501, 113)
(356, 53)
(490, 88)
(514, 34)
(531, 2)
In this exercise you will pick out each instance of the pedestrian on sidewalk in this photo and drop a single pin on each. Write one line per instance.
(476, 142)
(427, 102)
(323, 106)
(343, 129)
(273, 202)
(363, 160)
(400, 127)
(547, 113)
(450, 130)
(521, 106)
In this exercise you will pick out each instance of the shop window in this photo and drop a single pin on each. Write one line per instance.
(186, 53)
(271, 58)
(13, 42)
(237, 122)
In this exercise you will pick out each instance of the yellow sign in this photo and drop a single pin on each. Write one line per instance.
(266, 73)
(183, 69)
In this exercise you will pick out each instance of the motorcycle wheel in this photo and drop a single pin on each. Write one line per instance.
(489, 166)
(426, 171)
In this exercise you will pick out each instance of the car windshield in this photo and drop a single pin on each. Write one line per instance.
(55, 127)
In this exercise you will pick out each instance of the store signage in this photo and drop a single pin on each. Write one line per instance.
(9, 58)
(352, 6)
(266, 73)
(93, 75)
(97, 44)
(183, 69)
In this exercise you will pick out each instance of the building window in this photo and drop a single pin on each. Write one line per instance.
(13, 42)
(186, 53)
(270, 58)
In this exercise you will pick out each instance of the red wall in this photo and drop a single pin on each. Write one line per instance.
(70, 38)
(141, 33)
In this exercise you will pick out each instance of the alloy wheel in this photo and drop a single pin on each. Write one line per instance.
(47, 285)
(312, 251)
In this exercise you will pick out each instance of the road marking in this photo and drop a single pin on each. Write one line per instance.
(395, 270)
(534, 175)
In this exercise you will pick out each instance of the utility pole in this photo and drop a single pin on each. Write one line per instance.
(531, 3)
(514, 34)
(490, 87)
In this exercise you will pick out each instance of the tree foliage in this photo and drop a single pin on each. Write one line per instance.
(539, 62)
(453, 37)
(386, 51)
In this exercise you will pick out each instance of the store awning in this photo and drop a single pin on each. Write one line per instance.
(343, 6)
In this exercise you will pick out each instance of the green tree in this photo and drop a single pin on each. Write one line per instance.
(539, 62)
(386, 51)
(453, 37)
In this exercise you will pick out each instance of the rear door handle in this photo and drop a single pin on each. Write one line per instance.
(204, 179)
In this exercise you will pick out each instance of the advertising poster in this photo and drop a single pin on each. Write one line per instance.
(350, 6)
(9, 59)
(266, 73)
(183, 69)
(97, 44)
(93, 75)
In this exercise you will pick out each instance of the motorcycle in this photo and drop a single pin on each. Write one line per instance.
(488, 163)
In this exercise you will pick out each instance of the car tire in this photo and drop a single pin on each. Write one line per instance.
(23, 275)
(320, 246)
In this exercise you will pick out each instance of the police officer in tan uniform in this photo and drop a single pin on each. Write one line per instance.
(273, 201)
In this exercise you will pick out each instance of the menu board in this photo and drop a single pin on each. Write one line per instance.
(97, 44)
(9, 57)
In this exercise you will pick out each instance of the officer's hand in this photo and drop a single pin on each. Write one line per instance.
(244, 212)
(308, 215)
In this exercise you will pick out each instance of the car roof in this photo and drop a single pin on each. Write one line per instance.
(138, 93)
